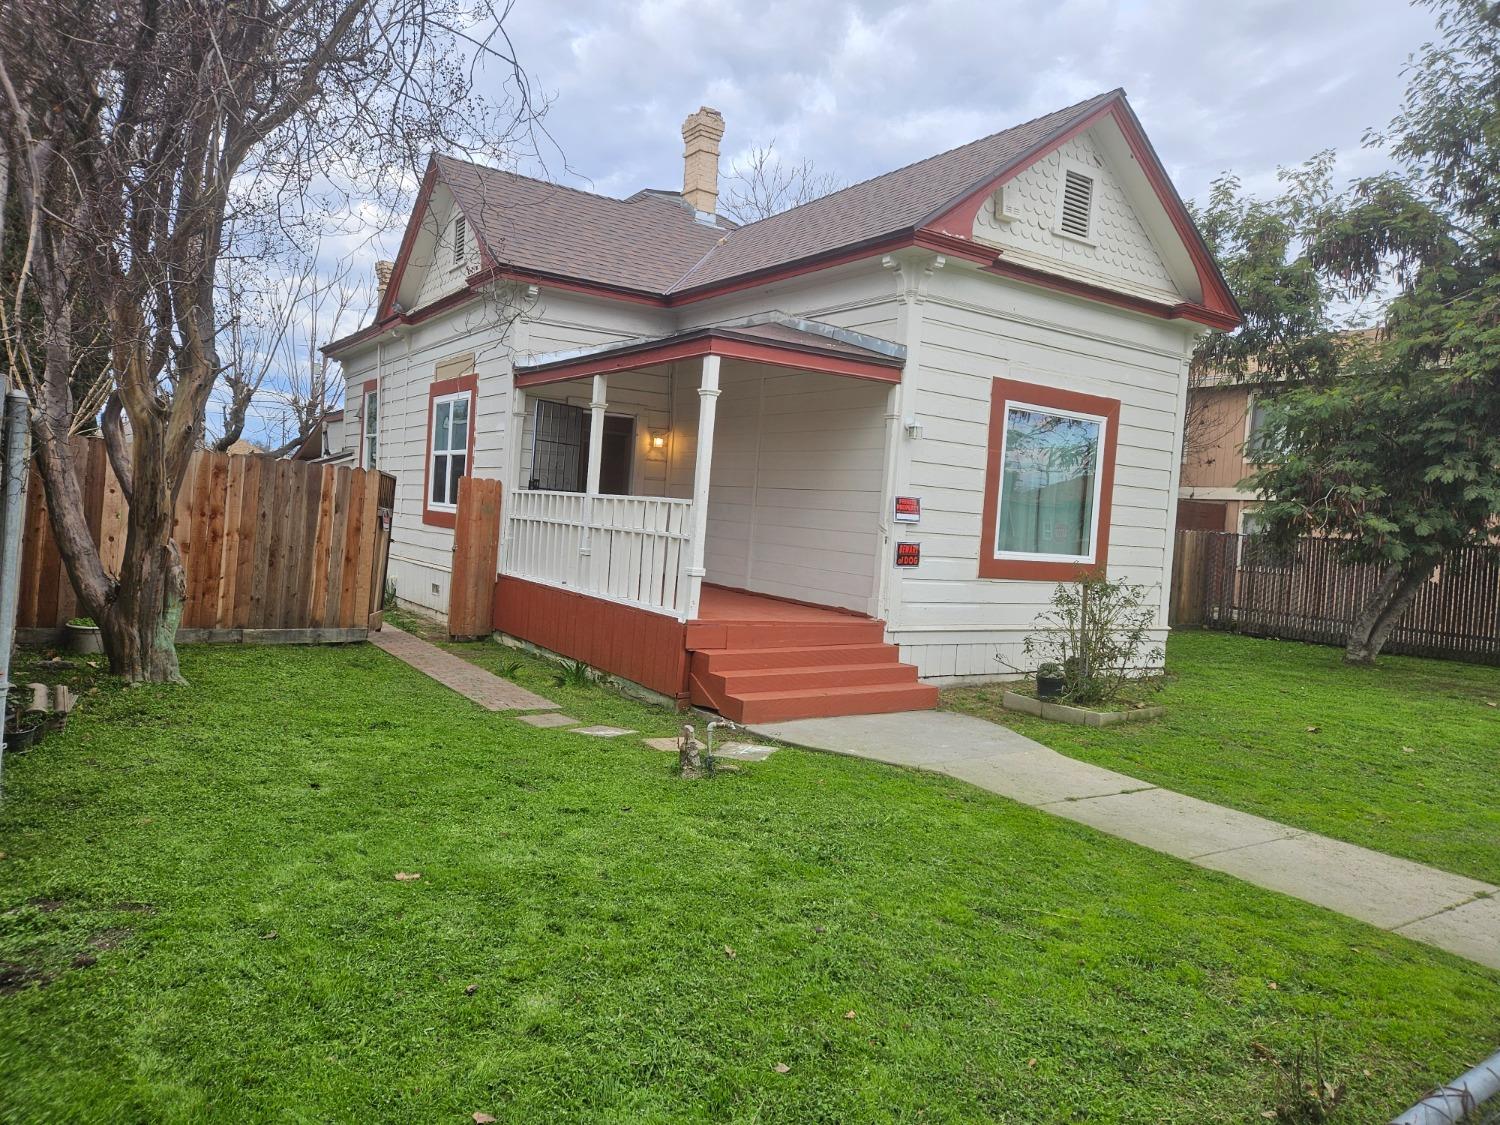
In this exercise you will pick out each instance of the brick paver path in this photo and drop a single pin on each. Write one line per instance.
(470, 681)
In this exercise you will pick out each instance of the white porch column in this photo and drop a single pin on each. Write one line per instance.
(708, 406)
(597, 406)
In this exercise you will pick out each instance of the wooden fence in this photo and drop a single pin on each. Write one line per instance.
(273, 550)
(1226, 581)
(476, 554)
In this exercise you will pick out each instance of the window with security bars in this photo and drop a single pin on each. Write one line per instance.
(559, 439)
(1077, 204)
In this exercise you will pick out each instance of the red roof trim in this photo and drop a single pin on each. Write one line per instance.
(1218, 307)
(774, 355)
(408, 241)
(946, 232)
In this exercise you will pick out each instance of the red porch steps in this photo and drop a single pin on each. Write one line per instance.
(802, 668)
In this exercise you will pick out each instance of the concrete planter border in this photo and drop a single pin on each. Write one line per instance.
(1078, 716)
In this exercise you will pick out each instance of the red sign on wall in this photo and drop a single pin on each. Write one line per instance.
(908, 554)
(908, 509)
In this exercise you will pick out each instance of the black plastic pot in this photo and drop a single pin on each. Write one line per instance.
(22, 737)
(1050, 687)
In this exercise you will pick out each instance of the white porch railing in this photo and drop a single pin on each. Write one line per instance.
(631, 549)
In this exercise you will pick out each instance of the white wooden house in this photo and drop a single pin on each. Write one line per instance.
(815, 464)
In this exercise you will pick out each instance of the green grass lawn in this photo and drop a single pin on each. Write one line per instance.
(200, 921)
(1402, 757)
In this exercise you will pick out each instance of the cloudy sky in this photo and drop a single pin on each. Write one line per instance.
(863, 87)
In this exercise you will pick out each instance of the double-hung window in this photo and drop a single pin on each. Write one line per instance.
(449, 449)
(1048, 482)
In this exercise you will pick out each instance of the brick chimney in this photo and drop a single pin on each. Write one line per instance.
(701, 134)
(383, 271)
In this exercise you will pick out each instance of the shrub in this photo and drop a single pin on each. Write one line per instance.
(1099, 632)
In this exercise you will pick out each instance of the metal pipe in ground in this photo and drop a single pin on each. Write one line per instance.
(17, 444)
(1453, 1103)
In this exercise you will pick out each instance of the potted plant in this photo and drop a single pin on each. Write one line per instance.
(22, 731)
(83, 636)
(1050, 681)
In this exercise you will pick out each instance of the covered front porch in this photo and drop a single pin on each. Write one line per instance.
(717, 491)
(750, 456)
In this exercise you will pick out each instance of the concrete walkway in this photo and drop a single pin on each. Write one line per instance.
(469, 680)
(1452, 912)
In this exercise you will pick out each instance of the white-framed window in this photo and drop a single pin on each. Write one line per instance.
(370, 430)
(449, 456)
(1051, 469)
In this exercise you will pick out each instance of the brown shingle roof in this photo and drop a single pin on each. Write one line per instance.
(654, 244)
(889, 203)
(644, 243)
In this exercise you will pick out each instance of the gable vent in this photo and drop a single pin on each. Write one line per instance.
(461, 239)
(1078, 196)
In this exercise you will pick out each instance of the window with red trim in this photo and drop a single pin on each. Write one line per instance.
(450, 446)
(1048, 479)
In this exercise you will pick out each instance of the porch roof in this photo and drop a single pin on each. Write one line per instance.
(774, 339)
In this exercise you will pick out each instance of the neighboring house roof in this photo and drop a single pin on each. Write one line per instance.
(653, 247)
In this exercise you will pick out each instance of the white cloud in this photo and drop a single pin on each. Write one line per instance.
(860, 88)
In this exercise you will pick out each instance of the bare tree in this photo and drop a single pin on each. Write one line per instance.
(762, 184)
(278, 319)
(148, 137)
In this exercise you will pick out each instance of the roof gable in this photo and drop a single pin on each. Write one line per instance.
(651, 247)
(895, 201)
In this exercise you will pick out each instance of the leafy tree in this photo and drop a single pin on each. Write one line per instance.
(1389, 443)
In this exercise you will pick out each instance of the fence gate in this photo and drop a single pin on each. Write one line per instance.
(476, 557)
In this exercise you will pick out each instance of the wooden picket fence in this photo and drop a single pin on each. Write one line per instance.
(272, 549)
(1225, 581)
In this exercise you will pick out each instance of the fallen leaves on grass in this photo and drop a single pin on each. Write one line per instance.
(470, 989)
(1313, 729)
(483, 1119)
(849, 1015)
(269, 935)
(407, 876)
(729, 952)
(781, 1068)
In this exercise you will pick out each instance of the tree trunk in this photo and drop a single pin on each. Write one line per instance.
(1398, 585)
(139, 630)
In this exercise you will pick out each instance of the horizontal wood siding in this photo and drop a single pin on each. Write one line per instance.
(646, 648)
(794, 499)
(974, 330)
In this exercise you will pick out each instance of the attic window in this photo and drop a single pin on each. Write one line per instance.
(1077, 202)
(460, 240)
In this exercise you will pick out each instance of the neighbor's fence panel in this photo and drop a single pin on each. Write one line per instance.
(267, 545)
(1227, 581)
(629, 549)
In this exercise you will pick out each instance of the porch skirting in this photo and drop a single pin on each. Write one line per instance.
(647, 648)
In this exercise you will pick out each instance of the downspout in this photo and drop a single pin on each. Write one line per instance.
(1455, 1102)
(17, 438)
